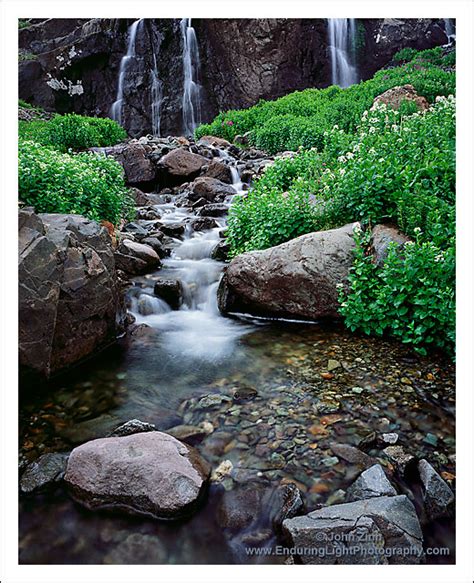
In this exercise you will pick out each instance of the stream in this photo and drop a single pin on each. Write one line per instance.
(273, 397)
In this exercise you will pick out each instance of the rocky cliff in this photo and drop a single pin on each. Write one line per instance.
(72, 65)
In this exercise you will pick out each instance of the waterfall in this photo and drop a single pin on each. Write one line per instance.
(156, 97)
(117, 106)
(191, 87)
(449, 29)
(342, 33)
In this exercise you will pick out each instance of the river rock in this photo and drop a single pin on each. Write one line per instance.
(135, 258)
(144, 198)
(399, 457)
(151, 474)
(395, 96)
(382, 237)
(221, 251)
(213, 210)
(155, 243)
(190, 434)
(69, 296)
(352, 454)
(370, 484)
(171, 291)
(204, 224)
(374, 531)
(135, 229)
(174, 230)
(131, 427)
(437, 495)
(213, 141)
(295, 279)
(48, 470)
(220, 171)
(134, 159)
(209, 188)
(138, 549)
(180, 166)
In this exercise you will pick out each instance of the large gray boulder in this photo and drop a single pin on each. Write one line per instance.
(69, 297)
(295, 279)
(209, 188)
(133, 157)
(180, 166)
(151, 474)
(381, 530)
(136, 258)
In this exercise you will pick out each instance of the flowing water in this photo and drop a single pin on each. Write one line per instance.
(450, 29)
(280, 431)
(117, 106)
(342, 32)
(156, 97)
(191, 87)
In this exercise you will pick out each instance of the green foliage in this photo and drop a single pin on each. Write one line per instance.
(85, 183)
(25, 104)
(404, 55)
(23, 23)
(411, 296)
(79, 132)
(36, 130)
(449, 60)
(302, 117)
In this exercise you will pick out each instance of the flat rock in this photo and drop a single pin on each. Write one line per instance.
(437, 495)
(370, 484)
(151, 474)
(382, 530)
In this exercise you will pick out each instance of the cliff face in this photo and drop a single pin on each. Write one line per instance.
(72, 65)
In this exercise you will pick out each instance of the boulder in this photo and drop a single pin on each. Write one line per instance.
(171, 291)
(204, 224)
(173, 229)
(155, 243)
(48, 470)
(213, 141)
(382, 236)
(297, 279)
(213, 210)
(370, 484)
(131, 427)
(210, 189)
(437, 495)
(135, 229)
(70, 304)
(144, 198)
(135, 258)
(133, 157)
(375, 531)
(151, 474)
(180, 166)
(220, 171)
(396, 95)
(221, 251)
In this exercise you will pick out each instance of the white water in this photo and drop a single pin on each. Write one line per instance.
(449, 29)
(117, 106)
(341, 45)
(156, 98)
(191, 87)
(196, 330)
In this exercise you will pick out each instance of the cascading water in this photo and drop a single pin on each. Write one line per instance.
(449, 29)
(156, 98)
(342, 33)
(191, 87)
(117, 106)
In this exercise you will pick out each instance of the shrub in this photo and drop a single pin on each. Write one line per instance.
(404, 55)
(79, 132)
(85, 183)
(35, 130)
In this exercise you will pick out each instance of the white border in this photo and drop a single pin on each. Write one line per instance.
(11, 10)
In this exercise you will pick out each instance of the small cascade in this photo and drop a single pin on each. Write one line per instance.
(342, 32)
(117, 106)
(156, 98)
(450, 29)
(191, 87)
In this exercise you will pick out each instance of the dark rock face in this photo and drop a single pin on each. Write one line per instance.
(75, 62)
(295, 279)
(70, 302)
(135, 258)
(171, 291)
(220, 171)
(151, 474)
(437, 495)
(138, 169)
(387, 523)
(209, 188)
(180, 166)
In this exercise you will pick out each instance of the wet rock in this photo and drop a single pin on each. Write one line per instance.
(437, 495)
(70, 304)
(134, 159)
(296, 279)
(47, 471)
(147, 213)
(245, 394)
(138, 549)
(155, 243)
(333, 365)
(135, 258)
(389, 438)
(131, 427)
(135, 229)
(212, 401)
(213, 210)
(213, 141)
(221, 251)
(199, 203)
(395, 96)
(188, 433)
(370, 484)
(173, 230)
(145, 198)
(382, 237)
(223, 470)
(210, 189)
(171, 291)
(399, 457)
(204, 224)
(352, 455)
(151, 474)
(180, 166)
(287, 503)
(239, 507)
(374, 531)
(220, 171)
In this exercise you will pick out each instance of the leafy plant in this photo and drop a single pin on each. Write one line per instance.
(80, 132)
